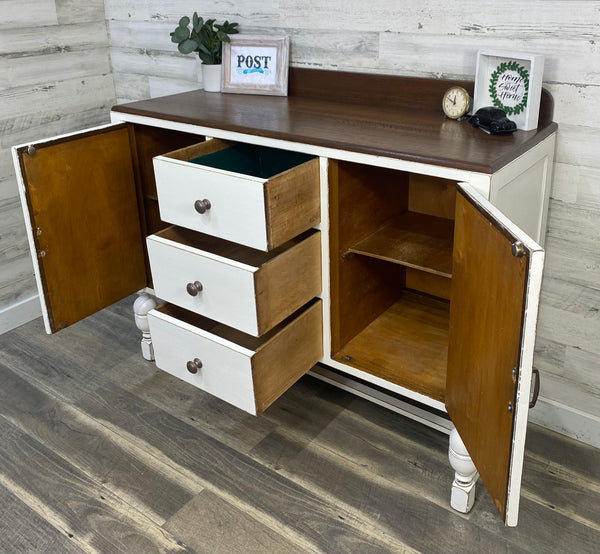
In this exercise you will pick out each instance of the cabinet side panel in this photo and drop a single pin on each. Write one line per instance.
(82, 200)
(521, 189)
(522, 199)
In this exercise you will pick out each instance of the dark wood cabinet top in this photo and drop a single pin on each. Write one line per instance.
(392, 116)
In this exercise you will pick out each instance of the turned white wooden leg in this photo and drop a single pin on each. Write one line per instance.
(142, 305)
(463, 487)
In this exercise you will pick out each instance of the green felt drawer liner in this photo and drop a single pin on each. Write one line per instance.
(249, 159)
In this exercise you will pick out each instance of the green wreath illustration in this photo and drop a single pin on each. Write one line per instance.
(523, 73)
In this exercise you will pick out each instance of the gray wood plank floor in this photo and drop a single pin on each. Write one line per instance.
(100, 452)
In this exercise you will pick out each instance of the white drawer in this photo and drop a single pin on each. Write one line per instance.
(248, 372)
(225, 192)
(244, 288)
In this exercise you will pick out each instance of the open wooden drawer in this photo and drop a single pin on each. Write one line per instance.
(253, 195)
(248, 372)
(242, 287)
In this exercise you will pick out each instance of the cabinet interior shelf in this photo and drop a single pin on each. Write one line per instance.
(415, 240)
(407, 345)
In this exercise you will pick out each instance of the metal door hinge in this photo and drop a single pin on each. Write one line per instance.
(518, 249)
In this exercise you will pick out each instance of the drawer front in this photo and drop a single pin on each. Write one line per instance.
(251, 298)
(261, 213)
(247, 372)
(225, 373)
(237, 204)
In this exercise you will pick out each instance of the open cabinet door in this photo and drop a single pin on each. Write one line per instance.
(81, 210)
(496, 280)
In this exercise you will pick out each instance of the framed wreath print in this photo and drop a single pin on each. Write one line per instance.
(511, 82)
(256, 64)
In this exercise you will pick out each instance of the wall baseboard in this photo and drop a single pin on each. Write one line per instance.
(17, 314)
(567, 420)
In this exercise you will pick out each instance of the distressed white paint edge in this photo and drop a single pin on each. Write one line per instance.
(532, 302)
(566, 420)
(105, 126)
(325, 266)
(30, 239)
(181, 324)
(21, 312)
(481, 181)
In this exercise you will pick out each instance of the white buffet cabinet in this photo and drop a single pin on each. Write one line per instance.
(398, 249)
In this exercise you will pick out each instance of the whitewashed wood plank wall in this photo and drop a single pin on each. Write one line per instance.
(55, 77)
(436, 38)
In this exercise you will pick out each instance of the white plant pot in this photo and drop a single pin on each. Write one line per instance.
(211, 77)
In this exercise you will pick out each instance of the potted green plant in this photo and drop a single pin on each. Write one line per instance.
(206, 38)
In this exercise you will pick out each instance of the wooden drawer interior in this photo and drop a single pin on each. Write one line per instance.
(391, 268)
(286, 201)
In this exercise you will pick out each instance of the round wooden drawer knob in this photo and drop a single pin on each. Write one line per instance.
(202, 206)
(193, 288)
(194, 365)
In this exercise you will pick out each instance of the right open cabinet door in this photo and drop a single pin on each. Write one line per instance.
(496, 281)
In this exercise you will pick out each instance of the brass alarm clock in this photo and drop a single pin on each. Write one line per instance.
(456, 102)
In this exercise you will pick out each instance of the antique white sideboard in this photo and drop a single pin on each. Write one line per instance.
(348, 229)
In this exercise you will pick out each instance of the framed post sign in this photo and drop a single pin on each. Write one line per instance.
(511, 82)
(256, 64)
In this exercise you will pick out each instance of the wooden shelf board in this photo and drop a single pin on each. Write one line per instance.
(415, 240)
(407, 345)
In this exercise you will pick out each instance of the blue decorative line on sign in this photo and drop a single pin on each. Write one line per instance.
(253, 70)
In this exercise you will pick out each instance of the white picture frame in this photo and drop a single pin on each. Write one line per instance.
(510, 81)
(256, 64)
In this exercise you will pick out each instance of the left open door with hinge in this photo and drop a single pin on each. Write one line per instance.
(81, 211)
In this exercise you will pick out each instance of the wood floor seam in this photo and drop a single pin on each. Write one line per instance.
(321, 471)
(77, 500)
(565, 473)
(45, 511)
(256, 513)
(530, 495)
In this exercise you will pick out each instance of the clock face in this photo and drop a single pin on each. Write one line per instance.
(456, 102)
